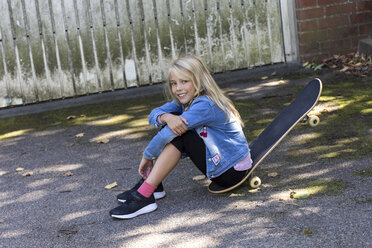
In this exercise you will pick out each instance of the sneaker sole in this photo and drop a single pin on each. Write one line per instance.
(148, 209)
(157, 196)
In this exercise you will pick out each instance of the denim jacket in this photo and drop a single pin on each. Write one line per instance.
(224, 139)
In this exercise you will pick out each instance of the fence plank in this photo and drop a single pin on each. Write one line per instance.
(165, 35)
(276, 44)
(177, 27)
(127, 43)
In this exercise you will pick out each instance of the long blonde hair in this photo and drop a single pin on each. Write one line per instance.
(190, 67)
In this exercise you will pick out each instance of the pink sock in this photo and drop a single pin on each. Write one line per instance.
(146, 189)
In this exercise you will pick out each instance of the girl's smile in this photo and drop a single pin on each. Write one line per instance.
(183, 89)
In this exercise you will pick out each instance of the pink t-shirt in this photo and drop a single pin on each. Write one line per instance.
(244, 164)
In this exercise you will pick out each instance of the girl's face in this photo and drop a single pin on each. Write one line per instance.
(182, 88)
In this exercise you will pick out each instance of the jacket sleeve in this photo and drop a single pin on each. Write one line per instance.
(169, 107)
(200, 113)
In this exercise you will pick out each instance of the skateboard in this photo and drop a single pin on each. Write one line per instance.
(297, 111)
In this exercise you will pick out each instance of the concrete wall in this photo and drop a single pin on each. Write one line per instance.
(327, 27)
(56, 49)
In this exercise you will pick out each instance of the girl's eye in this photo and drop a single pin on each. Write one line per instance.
(173, 83)
(185, 81)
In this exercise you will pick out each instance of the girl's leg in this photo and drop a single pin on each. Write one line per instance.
(194, 147)
(164, 164)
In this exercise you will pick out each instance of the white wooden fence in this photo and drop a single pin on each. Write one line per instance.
(52, 49)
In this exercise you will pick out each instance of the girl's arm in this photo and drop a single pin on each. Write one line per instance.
(169, 107)
(200, 113)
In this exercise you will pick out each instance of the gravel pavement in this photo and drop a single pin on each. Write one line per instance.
(54, 208)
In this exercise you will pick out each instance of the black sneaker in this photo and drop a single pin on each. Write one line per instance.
(158, 194)
(135, 205)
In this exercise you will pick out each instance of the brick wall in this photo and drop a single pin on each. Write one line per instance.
(327, 27)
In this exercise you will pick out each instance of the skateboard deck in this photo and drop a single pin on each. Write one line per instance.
(287, 119)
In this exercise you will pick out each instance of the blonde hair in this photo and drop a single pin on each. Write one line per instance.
(191, 68)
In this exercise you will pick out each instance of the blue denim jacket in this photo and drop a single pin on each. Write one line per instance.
(224, 139)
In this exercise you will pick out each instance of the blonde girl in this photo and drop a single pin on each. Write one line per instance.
(200, 122)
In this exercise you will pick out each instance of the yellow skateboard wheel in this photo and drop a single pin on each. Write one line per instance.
(254, 182)
(314, 120)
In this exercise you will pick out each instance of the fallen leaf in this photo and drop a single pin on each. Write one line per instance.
(324, 111)
(111, 185)
(292, 203)
(299, 195)
(69, 174)
(27, 174)
(70, 117)
(83, 116)
(79, 135)
(103, 141)
(70, 144)
(252, 191)
(273, 174)
(20, 169)
(307, 231)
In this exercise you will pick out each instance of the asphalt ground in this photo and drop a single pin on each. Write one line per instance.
(51, 208)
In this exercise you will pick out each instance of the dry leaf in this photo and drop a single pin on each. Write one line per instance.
(111, 185)
(70, 117)
(27, 174)
(83, 116)
(252, 191)
(103, 141)
(273, 174)
(324, 111)
(299, 195)
(69, 174)
(20, 169)
(70, 144)
(79, 135)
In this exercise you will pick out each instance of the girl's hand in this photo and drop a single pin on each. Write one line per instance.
(145, 164)
(176, 123)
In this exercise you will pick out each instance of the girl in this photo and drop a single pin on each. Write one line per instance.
(200, 122)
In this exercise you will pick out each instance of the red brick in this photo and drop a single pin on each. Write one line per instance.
(340, 33)
(361, 18)
(312, 47)
(327, 2)
(364, 5)
(336, 45)
(365, 28)
(310, 13)
(308, 26)
(333, 22)
(313, 36)
(305, 3)
(340, 9)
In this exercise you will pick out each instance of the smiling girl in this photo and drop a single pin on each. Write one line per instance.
(200, 122)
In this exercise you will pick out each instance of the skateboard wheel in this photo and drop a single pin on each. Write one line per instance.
(255, 182)
(314, 120)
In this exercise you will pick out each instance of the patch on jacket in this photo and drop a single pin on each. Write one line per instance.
(216, 159)
(204, 133)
